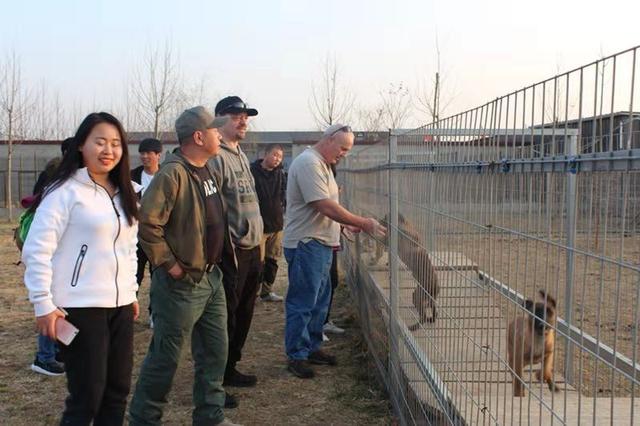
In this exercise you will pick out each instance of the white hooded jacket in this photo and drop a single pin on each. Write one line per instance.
(80, 251)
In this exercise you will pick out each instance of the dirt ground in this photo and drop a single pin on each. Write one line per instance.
(344, 395)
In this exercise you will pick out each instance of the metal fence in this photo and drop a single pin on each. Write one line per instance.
(24, 174)
(536, 190)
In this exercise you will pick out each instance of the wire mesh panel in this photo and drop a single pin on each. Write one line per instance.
(25, 172)
(507, 289)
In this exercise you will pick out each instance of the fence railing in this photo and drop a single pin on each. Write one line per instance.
(484, 210)
(24, 174)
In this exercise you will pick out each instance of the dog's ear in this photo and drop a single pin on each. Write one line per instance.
(550, 300)
(528, 304)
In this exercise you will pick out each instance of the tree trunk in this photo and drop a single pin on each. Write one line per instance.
(8, 195)
(155, 126)
(436, 100)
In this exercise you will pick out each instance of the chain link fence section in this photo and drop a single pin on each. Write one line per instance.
(536, 190)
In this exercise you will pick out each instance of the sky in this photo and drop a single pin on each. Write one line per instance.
(270, 52)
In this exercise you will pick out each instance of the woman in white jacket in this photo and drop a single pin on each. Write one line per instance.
(80, 255)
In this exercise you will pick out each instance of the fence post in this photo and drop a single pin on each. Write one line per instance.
(571, 198)
(394, 299)
(357, 246)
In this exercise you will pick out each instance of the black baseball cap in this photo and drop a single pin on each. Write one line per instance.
(234, 105)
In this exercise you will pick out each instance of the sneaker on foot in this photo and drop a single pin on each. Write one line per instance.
(271, 297)
(51, 368)
(230, 401)
(324, 338)
(320, 357)
(300, 368)
(330, 327)
(237, 379)
(227, 422)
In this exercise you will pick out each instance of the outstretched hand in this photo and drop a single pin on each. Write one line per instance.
(373, 228)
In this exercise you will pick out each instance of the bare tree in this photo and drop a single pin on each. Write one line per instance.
(41, 126)
(430, 99)
(13, 106)
(331, 102)
(125, 107)
(62, 126)
(156, 86)
(199, 93)
(395, 105)
(193, 92)
(78, 111)
(555, 112)
(371, 119)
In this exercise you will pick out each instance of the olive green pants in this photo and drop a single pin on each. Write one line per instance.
(182, 309)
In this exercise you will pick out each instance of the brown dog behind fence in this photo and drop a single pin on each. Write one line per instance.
(413, 254)
(531, 339)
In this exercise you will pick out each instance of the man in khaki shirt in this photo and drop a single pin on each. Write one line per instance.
(312, 230)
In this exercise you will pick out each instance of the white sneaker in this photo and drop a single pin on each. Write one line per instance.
(330, 327)
(271, 297)
(324, 338)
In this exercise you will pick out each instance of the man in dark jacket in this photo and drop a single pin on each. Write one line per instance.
(150, 150)
(184, 232)
(270, 187)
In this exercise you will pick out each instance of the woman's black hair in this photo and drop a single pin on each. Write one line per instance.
(120, 175)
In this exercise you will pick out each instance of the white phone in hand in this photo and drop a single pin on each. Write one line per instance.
(65, 331)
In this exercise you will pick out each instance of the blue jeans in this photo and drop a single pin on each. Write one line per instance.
(307, 299)
(46, 349)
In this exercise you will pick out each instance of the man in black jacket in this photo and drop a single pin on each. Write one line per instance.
(150, 150)
(270, 187)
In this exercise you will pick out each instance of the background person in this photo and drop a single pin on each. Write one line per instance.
(80, 256)
(46, 359)
(150, 150)
(270, 187)
(52, 165)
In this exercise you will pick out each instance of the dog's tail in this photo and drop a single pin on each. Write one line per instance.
(549, 299)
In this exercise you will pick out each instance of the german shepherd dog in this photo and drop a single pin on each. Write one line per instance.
(413, 254)
(531, 340)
